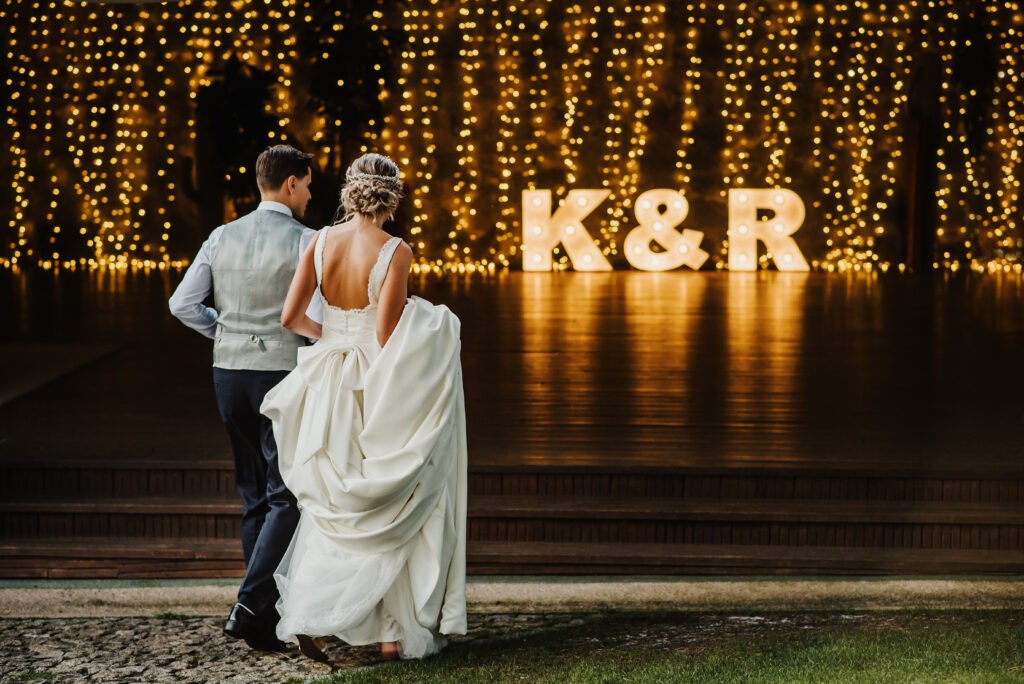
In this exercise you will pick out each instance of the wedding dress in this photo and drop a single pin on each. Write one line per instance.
(372, 443)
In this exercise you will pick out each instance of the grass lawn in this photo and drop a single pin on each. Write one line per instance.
(932, 646)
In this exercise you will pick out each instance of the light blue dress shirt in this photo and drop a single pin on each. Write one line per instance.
(187, 301)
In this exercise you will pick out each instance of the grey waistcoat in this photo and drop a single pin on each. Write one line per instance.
(252, 268)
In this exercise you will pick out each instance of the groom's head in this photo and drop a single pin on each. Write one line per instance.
(283, 175)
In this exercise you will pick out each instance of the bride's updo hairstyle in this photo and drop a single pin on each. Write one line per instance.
(372, 186)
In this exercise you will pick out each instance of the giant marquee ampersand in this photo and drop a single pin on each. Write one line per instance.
(658, 226)
(658, 212)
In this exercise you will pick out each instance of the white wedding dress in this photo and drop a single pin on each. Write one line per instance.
(372, 442)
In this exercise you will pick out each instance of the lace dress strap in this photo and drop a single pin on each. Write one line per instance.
(380, 269)
(318, 258)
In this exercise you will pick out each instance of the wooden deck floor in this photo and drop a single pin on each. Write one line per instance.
(627, 370)
(618, 423)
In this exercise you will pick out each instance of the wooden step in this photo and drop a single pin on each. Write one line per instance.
(115, 557)
(27, 479)
(591, 508)
(624, 558)
(94, 480)
(149, 505)
(745, 510)
(105, 557)
(217, 517)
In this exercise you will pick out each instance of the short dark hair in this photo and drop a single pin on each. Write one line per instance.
(275, 164)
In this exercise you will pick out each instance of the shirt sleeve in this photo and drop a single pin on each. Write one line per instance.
(315, 309)
(186, 303)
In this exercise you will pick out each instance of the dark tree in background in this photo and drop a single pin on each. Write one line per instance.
(352, 49)
(233, 125)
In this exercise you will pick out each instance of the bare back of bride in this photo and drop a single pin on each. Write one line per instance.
(370, 428)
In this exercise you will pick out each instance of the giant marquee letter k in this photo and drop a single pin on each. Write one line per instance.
(542, 231)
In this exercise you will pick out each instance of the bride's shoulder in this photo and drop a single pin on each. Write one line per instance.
(402, 256)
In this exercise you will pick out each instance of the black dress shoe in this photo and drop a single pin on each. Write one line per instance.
(241, 623)
(258, 631)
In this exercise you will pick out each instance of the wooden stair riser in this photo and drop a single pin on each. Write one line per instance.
(168, 526)
(98, 482)
(760, 486)
(99, 557)
(509, 529)
(892, 535)
(24, 482)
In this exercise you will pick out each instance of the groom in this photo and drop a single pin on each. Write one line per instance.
(247, 265)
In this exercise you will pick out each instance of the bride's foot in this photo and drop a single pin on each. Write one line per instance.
(389, 649)
(311, 647)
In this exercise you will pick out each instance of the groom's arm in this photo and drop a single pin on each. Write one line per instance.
(186, 303)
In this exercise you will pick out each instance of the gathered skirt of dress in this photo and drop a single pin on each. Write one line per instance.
(372, 443)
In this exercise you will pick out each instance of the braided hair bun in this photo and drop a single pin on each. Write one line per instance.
(372, 186)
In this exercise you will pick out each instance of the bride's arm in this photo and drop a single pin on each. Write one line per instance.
(293, 315)
(393, 293)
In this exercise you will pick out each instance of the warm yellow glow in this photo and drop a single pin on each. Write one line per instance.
(490, 99)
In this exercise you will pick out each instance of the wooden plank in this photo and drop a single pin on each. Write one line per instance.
(647, 508)
(78, 548)
(742, 556)
(191, 505)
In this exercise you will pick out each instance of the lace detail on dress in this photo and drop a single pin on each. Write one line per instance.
(377, 273)
(380, 269)
(318, 262)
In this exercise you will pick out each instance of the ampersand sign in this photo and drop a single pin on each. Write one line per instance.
(659, 226)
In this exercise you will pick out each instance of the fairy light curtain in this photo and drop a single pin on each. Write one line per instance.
(130, 126)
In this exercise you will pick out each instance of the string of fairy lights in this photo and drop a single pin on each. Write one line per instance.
(490, 98)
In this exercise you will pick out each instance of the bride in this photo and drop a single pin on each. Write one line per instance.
(371, 433)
